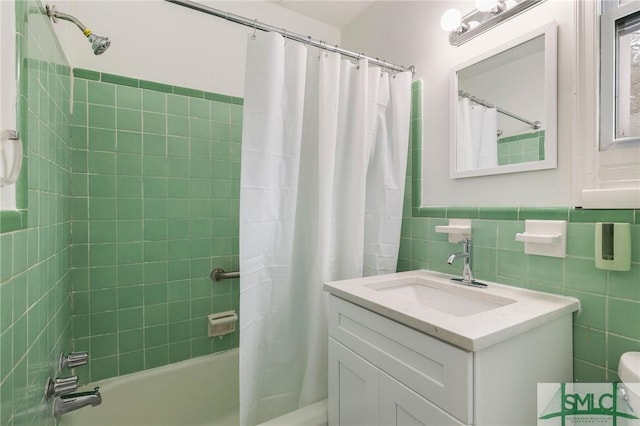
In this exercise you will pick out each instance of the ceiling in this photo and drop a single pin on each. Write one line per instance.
(335, 13)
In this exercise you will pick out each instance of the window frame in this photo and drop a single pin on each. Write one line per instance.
(608, 179)
(609, 17)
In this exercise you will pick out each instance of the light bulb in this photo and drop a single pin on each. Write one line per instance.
(451, 20)
(485, 5)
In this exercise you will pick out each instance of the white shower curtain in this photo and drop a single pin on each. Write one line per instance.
(324, 151)
(476, 137)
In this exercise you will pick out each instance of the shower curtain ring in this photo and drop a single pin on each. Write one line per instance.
(255, 28)
(360, 55)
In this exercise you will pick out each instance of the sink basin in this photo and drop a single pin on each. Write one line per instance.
(434, 296)
(468, 317)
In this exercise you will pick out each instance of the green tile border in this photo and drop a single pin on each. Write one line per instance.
(498, 213)
(155, 86)
(86, 74)
(544, 213)
(117, 79)
(463, 212)
(12, 220)
(584, 215)
(185, 91)
(158, 87)
(415, 147)
(570, 214)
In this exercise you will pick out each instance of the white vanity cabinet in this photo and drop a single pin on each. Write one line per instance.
(382, 372)
(368, 396)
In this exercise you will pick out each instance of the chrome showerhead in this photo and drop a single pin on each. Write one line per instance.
(99, 44)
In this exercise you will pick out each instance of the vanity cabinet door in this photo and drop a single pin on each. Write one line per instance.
(400, 406)
(353, 386)
(437, 371)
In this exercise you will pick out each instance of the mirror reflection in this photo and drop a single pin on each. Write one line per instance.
(502, 111)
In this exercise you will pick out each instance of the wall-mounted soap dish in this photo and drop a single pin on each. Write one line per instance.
(544, 237)
(458, 229)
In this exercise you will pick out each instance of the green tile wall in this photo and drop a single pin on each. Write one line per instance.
(521, 148)
(156, 184)
(35, 278)
(609, 323)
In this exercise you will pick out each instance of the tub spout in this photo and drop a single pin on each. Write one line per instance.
(74, 401)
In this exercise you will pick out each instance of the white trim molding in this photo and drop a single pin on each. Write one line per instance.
(611, 198)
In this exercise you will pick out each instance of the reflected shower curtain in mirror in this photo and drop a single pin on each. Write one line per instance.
(476, 136)
(324, 152)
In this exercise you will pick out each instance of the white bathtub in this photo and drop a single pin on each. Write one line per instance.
(197, 392)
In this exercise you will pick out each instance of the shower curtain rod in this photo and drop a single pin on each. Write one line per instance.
(535, 124)
(255, 24)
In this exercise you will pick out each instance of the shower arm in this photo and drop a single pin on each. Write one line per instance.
(55, 15)
(98, 43)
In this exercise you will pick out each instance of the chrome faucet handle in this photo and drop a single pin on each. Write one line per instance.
(74, 359)
(60, 386)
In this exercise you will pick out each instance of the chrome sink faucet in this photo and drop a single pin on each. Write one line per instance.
(74, 401)
(467, 276)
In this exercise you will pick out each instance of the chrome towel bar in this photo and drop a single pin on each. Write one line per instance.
(220, 274)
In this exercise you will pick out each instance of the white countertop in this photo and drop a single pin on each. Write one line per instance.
(526, 309)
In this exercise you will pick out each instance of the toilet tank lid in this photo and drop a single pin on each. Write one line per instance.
(629, 367)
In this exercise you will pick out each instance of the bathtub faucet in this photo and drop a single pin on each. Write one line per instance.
(74, 401)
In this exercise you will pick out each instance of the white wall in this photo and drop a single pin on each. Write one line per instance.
(160, 41)
(410, 33)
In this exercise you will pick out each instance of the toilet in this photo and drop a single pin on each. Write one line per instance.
(629, 373)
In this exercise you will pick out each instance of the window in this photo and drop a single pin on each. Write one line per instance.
(620, 73)
(607, 49)
(628, 76)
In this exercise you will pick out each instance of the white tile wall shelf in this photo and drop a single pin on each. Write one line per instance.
(457, 229)
(544, 237)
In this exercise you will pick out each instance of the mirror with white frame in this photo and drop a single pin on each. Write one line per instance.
(504, 108)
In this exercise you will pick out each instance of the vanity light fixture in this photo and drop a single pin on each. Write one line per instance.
(486, 15)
